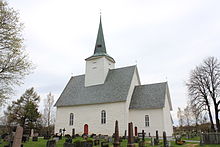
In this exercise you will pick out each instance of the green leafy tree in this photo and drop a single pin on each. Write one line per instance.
(14, 63)
(24, 111)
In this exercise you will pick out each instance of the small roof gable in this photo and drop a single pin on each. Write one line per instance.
(149, 96)
(115, 89)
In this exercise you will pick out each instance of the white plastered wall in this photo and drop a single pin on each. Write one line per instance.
(97, 70)
(168, 125)
(155, 117)
(134, 82)
(91, 115)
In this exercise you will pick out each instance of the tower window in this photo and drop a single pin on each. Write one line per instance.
(147, 121)
(71, 119)
(99, 45)
(103, 117)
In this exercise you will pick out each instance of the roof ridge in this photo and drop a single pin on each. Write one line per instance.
(153, 83)
(124, 67)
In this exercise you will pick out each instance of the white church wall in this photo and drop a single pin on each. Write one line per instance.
(134, 82)
(168, 126)
(91, 115)
(155, 120)
(97, 70)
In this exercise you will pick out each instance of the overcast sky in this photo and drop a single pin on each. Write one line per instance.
(166, 39)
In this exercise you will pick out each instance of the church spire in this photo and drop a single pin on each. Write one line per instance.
(100, 41)
(100, 49)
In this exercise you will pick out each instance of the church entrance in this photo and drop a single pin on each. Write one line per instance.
(86, 129)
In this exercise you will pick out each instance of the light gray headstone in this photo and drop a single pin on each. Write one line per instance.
(18, 137)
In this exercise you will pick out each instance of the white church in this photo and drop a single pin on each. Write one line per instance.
(92, 102)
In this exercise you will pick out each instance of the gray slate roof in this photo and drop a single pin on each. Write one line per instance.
(149, 96)
(115, 89)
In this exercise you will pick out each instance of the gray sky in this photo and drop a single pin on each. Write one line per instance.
(166, 39)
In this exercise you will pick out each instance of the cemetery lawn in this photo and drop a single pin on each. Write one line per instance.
(197, 138)
(42, 143)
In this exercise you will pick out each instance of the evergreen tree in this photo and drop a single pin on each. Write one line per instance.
(24, 111)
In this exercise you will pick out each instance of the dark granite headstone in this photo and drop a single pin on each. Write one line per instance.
(165, 143)
(51, 143)
(73, 133)
(143, 135)
(135, 131)
(77, 143)
(130, 135)
(104, 144)
(156, 140)
(35, 138)
(96, 142)
(66, 144)
(116, 136)
(125, 135)
(69, 140)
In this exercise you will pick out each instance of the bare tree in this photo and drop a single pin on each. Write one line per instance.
(187, 115)
(14, 63)
(48, 110)
(180, 116)
(211, 69)
(196, 114)
(204, 88)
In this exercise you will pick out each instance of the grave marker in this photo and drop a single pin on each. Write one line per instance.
(18, 137)
(130, 135)
(116, 136)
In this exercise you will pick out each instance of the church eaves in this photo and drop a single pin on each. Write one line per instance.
(100, 49)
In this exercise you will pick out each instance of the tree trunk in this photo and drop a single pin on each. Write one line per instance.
(217, 119)
(211, 120)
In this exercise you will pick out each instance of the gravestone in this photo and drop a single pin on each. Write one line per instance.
(104, 144)
(25, 138)
(116, 136)
(64, 130)
(86, 144)
(156, 140)
(130, 135)
(165, 143)
(77, 143)
(135, 131)
(143, 135)
(152, 141)
(32, 132)
(35, 138)
(56, 139)
(18, 137)
(73, 133)
(125, 135)
(66, 144)
(96, 142)
(51, 143)
(69, 140)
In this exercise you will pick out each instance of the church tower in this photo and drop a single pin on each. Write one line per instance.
(98, 65)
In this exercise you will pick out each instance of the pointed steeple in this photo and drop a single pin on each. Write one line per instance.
(100, 41)
(100, 49)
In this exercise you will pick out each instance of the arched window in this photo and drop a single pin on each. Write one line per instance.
(103, 117)
(71, 119)
(147, 121)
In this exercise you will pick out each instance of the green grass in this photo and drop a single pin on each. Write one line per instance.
(42, 143)
(197, 138)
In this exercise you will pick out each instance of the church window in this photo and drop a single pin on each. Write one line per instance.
(103, 117)
(147, 121)
(71, 119)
